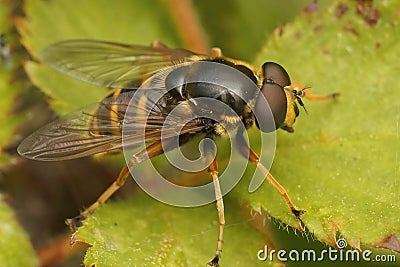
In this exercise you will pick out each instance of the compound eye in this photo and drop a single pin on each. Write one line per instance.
(275, 73)
(276, 99)
(275, 79)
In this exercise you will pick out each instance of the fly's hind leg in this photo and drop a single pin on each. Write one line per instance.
(117, 184)
(149, 152)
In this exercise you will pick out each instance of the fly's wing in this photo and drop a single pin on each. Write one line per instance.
(109, 64)
(98, 129)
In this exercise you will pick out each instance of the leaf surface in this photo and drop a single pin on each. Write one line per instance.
(342, 163)
(15, 247)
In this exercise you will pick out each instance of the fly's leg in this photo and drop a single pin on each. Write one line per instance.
(149, 152)
(311, 96)
(303, 91)
(119, 182)
(213, 170)
(253, 157)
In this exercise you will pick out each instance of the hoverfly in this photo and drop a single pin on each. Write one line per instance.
(126, 68)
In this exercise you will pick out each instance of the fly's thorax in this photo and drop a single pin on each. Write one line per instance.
(233, 83)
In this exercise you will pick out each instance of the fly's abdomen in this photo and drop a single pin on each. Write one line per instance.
(109, 116)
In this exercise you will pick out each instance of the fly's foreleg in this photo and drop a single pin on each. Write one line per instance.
(246, 151)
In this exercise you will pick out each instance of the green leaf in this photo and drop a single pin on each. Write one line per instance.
(148, 233)
(15, 247)
(9, 88)
(245, 24)
(342, 163)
